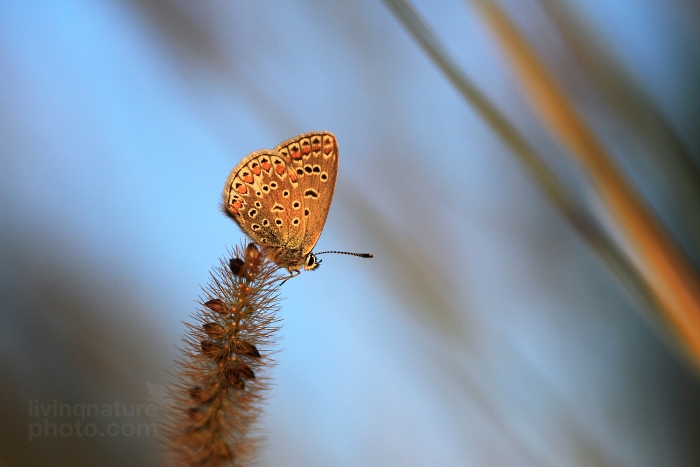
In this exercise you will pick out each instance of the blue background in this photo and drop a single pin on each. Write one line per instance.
(484, 331)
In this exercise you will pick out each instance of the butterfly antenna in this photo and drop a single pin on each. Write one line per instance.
(361, 255)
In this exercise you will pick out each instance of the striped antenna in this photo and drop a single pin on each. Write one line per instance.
(361, 255)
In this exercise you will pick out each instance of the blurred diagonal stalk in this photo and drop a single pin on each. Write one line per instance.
(668, 275)
(557, 193)
(677, 172)
(628, 97)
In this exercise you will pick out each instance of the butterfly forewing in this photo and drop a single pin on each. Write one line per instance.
(281, 197)
(314, 161)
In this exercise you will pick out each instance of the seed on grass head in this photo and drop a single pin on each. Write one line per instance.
(236, 371)
(197, 394)
(245, 348)
(212, 350)
(236, 265)
(252, 256)
(239, 385)
(214, 330)
(246, 372)
(195, 414)
(217, 306)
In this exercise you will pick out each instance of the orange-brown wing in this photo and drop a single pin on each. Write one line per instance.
(253, 195)
(313, 161)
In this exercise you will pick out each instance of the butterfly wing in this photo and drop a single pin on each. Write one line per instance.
(313, 168)
(253, 192)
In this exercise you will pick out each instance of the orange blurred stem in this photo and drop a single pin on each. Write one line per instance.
(662, 266)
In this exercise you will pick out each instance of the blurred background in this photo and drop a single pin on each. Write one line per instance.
(484, 332)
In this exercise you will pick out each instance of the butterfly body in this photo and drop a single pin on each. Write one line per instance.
(280, 197)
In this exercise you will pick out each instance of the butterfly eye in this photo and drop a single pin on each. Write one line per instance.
(311, 262)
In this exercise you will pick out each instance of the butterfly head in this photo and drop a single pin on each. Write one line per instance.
(311, 263)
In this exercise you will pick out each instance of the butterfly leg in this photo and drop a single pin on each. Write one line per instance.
(292, 273)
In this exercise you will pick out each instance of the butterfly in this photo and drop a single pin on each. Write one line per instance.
(280, 198)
